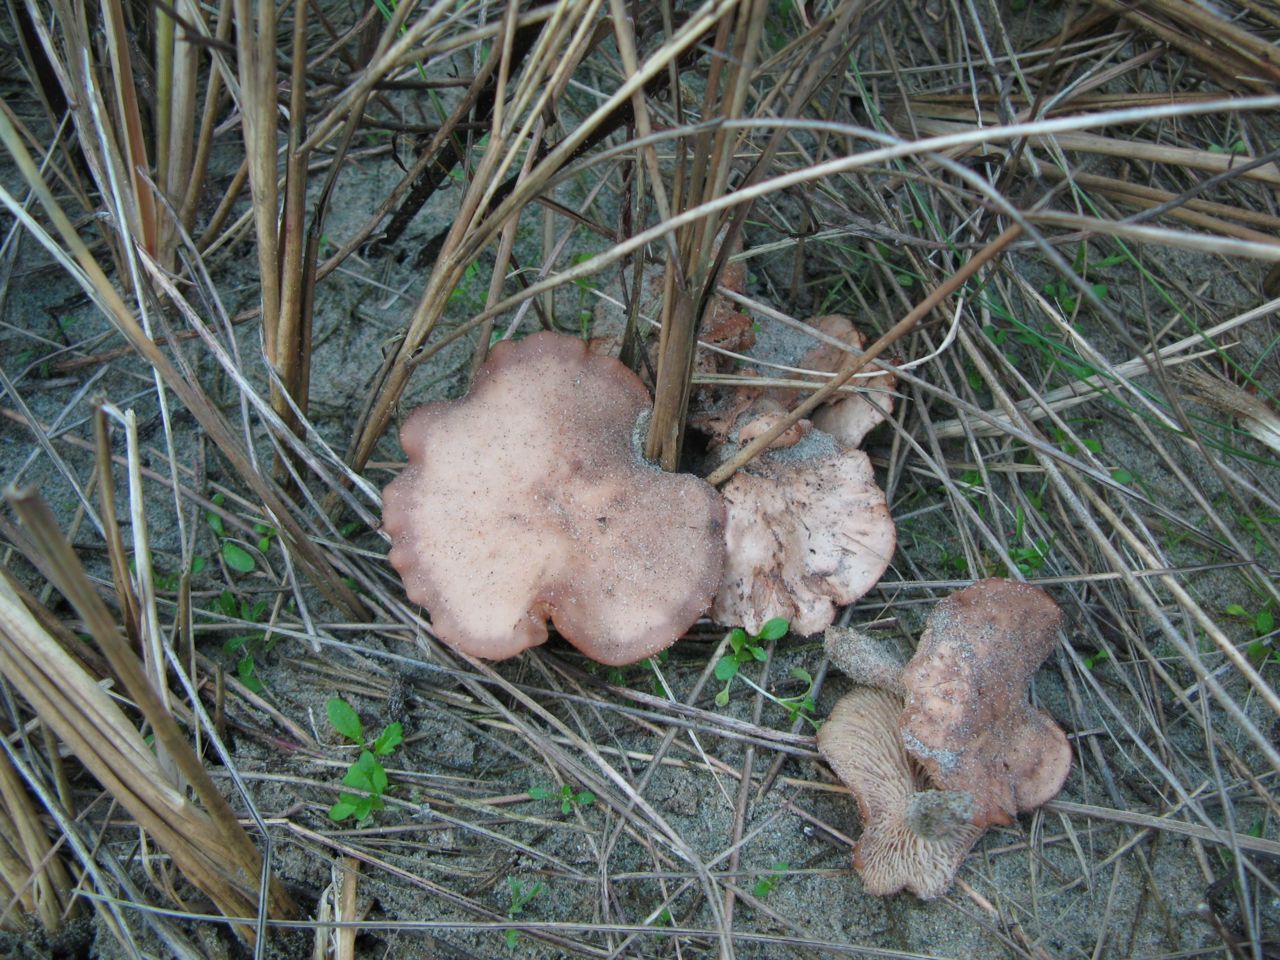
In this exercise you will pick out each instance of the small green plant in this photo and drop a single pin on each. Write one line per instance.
(1093, 659)
(468, 293)
(520, 897)
(1263, 624)
(245, 646)
(367, 773)
(1028, 559)
(235, 556)
(569, 799)
(764, 884)
(744, 648)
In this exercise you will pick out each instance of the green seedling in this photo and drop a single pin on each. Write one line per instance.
(747, 648)
(1235, 147)
(235, 556)
(520, 897)
(569, 800)
(1093, 659)
(245, 646)
(744, 648)
(1028, 559)
(764, 885)
(1263, 624)
(367, 774)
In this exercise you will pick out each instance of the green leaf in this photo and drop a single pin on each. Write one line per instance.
(539, 793)
(391, 738)
(366, 774)
(722, 698)
(236, 644)
(727, 668)
(237, 558)
(250, 679)
(344, 808)
(378, 777)
(800, 673)
(1235, 610)
(584, 797)
(759, 653)
(1121, 475)
(264, 544)
(737, 638)
(197, 565)
(775, 629)
(344, 719)
(227, 604)
(1264, 622)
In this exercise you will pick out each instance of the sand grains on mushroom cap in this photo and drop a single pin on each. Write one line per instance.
(967, 718)
(526, 501)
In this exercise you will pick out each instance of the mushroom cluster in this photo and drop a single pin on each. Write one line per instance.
(940, 750)
(808, 528)
(528, 500)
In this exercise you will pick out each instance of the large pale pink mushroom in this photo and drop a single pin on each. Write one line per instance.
(808, 532)
(913, 837)
(967, 719)
(527, 501)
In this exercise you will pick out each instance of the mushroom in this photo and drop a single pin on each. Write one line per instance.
(528, 500)
(743, 415)
(913, 837)
(847, 417)
(808, 531)
(967, 719)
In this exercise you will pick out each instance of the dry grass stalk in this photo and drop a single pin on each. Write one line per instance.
(208, 845)
(33, 878)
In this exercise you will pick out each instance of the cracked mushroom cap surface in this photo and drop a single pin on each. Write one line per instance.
(528, 501)
(913, 838)
(967, 718)
(808, 531)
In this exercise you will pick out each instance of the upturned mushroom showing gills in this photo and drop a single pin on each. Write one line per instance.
(967, 719)
(913, 837)
(528, 501)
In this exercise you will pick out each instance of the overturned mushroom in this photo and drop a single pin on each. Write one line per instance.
(967, 718)
(913, 837)
(527, 500)
(808, 531)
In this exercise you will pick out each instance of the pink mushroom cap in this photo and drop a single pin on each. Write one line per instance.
(528, 501)
(967, 719)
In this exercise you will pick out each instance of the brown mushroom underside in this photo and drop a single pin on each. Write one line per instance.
(860, 741)
(526, 501)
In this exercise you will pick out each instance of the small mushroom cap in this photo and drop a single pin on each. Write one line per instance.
(967, 718)
(808, 531)
(860, 741)
(526, 501)
(847, 417)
